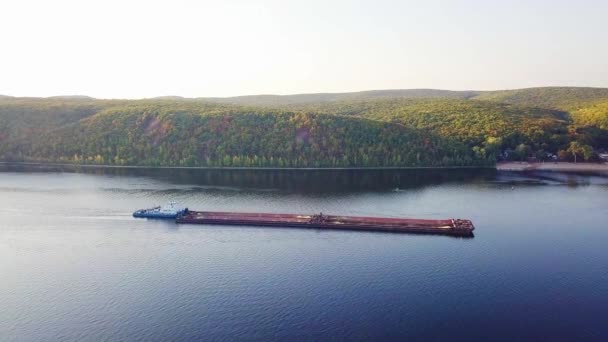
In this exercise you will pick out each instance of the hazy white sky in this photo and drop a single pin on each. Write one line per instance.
(133, 49)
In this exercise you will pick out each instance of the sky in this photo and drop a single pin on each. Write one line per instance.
(138, 49)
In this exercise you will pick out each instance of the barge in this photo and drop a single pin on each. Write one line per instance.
(454, 227)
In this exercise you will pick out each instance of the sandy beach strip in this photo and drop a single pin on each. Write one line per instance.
(552, 166)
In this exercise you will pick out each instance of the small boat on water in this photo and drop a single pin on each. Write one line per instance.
(167, 211)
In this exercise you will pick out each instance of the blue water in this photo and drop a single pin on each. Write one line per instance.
(76, 266)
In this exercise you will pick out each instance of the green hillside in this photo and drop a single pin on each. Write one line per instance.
(196, 134)
(592, 114)
(23, 118)
(563, 98)
(586, 108)
(469, 121)
(364, 129)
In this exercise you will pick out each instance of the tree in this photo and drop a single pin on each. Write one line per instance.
(587, 152)
(575, 148)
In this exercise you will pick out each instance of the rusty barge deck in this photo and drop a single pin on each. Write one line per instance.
(454, 227)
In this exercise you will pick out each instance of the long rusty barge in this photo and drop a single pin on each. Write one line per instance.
(454, 227)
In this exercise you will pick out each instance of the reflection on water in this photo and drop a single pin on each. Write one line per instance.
(290, 180)
(76, 266)
(323, 180)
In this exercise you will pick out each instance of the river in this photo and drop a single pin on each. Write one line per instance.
(75, 265)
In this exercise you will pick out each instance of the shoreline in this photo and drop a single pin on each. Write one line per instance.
(552, 166)
(501, 166)
(251, 168)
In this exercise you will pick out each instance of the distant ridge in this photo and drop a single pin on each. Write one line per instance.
(534, 96)
(72, 97)
(170, 97)
(272, 100)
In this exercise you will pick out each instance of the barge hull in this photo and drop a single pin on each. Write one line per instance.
(359, 223)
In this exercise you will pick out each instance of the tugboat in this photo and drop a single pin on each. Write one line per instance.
(167, 211)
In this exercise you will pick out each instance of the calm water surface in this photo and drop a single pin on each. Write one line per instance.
(75, 265)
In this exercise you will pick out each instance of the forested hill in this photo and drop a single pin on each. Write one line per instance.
(400, 128)
(564, 98)
(586, 106)
(169, 133)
